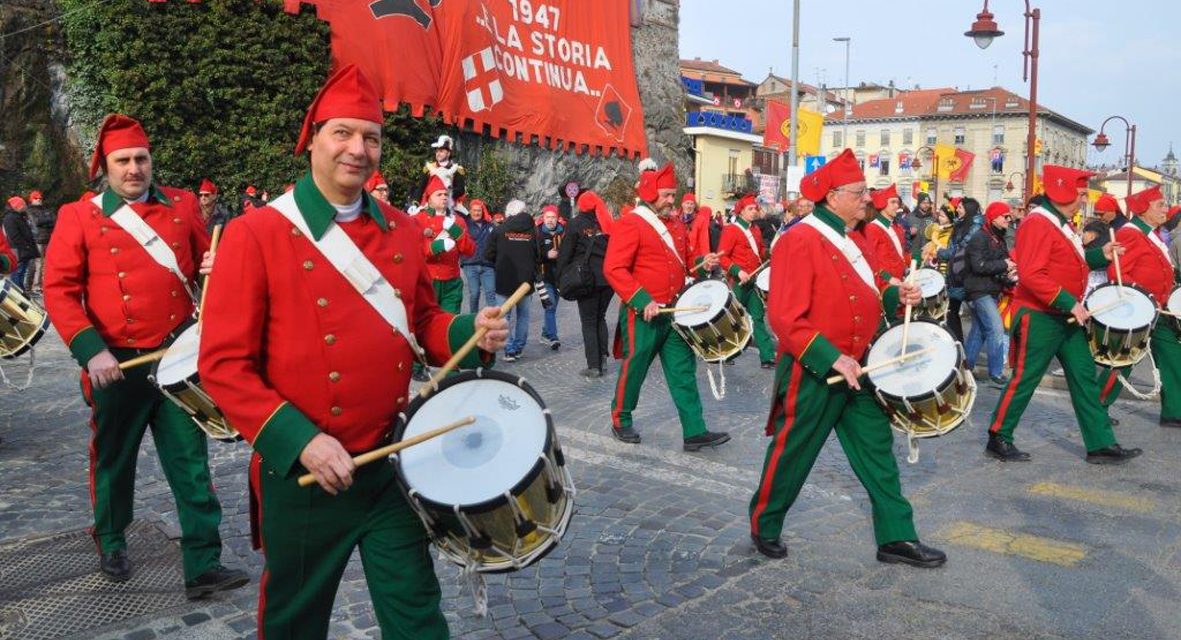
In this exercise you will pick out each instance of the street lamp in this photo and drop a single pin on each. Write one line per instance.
(1101, 143)
(848, 103)
(1009, 182)
(984, 30)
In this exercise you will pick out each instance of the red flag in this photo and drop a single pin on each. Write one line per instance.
(777, 132)
(963, 162)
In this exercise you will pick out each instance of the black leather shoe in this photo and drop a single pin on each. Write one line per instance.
(626, 434)
(770, 548)
(1114, 454)
(707, 439)
(1175, 423)
(1004, 451)
(911, 552)
(214, 580)
(115, 565)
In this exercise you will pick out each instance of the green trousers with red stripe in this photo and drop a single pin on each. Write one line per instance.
(308, 537)
(1166, 351)
(642, 342)
(1037, 338)
(449, 293)
(120, 414)
(750, 299)
(806, 411)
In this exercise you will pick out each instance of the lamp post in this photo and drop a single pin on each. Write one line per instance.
(845, 127)
(984, 30)
(1101, 142)
(917, 164)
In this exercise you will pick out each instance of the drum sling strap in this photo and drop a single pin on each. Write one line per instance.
(1156, 381)
(146, 237)
(344, 256)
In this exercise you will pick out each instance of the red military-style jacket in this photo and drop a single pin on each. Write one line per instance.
(819, 305)
(1144, 262)
(640, 266)
(103, 290)
(290, 350)
(1052, 267)
(443, 263)
(737, 254)
(7, 257)
(890, 257)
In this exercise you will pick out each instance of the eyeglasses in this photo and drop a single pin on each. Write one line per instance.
(856, 194)
(383, 188)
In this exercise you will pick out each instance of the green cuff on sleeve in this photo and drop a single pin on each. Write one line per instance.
(1095, 258)
(87, 344)
(891, 298)
(734, 269)
(819, 356)
(283, 437)
(461, 330)
(438, 247)
(640, 299)
(4, 266)
(455, 231)
(1063, 302)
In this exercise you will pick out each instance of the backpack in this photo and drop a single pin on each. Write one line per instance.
(957, 267)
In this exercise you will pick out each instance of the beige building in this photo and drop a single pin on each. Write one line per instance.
(887, 134)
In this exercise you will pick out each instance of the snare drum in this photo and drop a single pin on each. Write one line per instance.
(1118, 334)
(927, 395)
(933, 287)
(22, 321)
(1173, 306)
(722, 330)
(496, 495)
(763, 284)
(176, 377)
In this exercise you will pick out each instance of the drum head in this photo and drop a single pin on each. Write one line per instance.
(918, 375)
(930, 282)
(480, 462)
(1136, 310)
(180, 361)
(707, 293)
(1174, 304)
(763, 280)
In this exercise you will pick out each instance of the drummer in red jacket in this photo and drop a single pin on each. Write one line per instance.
(445, 240)
(886, 237)
(310, 373)
(647, 263)
(741, 253)
(110, 300)
(1147, 263)
(1052, 273)
(824, 305)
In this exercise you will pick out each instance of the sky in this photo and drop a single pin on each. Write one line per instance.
(1097, 58)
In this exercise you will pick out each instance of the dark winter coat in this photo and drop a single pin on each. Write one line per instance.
(546, 240)
(481, 232)
(43, 218)
(986, 267)
(513, 253)
(20, 235)
(583, 236)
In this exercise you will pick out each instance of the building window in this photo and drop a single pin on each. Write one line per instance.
(959, 135)
(861, 160)
(860, 137)
(885, 137)
(997, 160)
(884, 162)
(907, 137)
(932, 135)
(838, 140)
(998, 134)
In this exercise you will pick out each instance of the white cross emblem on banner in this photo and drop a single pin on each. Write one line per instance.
(481, 81)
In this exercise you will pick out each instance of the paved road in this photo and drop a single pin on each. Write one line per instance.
(658, 547)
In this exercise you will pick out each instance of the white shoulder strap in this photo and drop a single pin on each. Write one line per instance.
(344, 256)
(1075, 240)
(659, 227)
(750, 239)
(846, 246)
(146, 236)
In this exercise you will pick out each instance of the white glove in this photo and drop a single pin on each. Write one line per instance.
(448, 244)
(448, 221)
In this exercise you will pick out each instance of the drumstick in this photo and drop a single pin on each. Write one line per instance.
(1106, 307)
(884, 363)
(384, 452)
(692, 309)
(205, 290)
(906, 323)
(146, 358)
(467, 347)
(1168, 313)
(1119, 277)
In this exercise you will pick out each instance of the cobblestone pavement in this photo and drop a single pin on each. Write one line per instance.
(658, 547)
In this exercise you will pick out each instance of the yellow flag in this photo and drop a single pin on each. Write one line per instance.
(1093, 195)
(947, 160)
(811, 127)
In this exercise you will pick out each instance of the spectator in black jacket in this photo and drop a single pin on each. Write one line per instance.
(586, 244)
(513, 252)
(549, 239)
(43, 219)
(478, 270)
(988, 271)
(20, 238)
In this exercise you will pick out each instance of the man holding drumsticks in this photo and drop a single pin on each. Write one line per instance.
(825, 305)
(312, 366)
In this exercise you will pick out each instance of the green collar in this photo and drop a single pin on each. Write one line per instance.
(742, 223)
(880, 219)
(1142, 225)
(111, 202)
(430, 212)
(1049, 206)
(319, 213)
(829, 218)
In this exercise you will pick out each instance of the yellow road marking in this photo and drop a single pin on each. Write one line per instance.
(1094, 496)
(1037, 548)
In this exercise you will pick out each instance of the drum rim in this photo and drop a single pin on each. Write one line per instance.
(1156, 307)
(676, 300)
(403, 420)
(930, 394)
(33, 338)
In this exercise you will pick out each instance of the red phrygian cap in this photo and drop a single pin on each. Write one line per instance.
(117, 132)
(347, 94)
